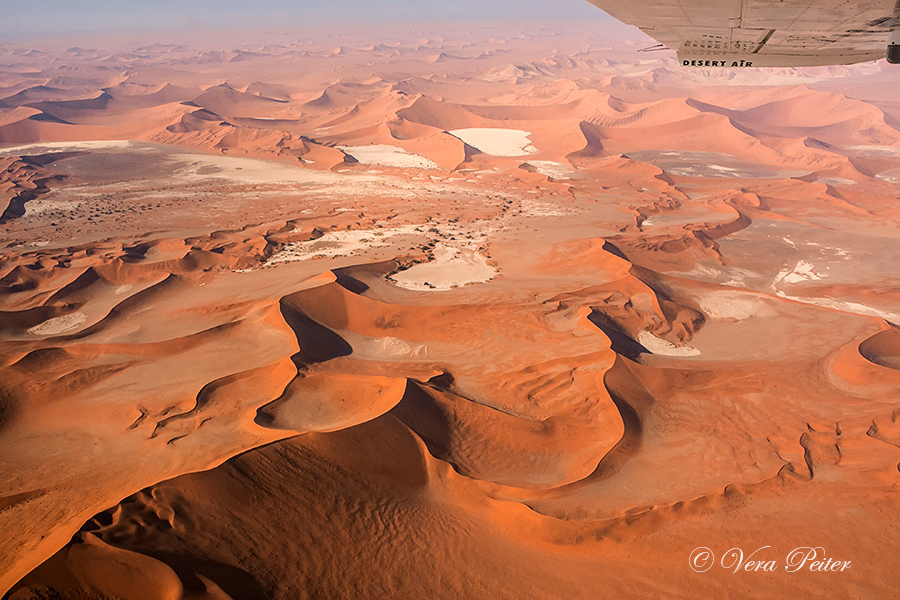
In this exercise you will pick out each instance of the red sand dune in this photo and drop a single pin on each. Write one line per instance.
(272, 326)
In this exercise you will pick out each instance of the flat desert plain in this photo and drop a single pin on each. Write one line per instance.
(487, 312)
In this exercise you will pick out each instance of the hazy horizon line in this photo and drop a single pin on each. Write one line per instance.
(89, 40)
(92, 18)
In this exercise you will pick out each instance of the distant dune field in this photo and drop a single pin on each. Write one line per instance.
(504, 313)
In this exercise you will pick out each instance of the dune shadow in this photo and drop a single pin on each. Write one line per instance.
(317, 342)
(883, 348)
(621, 343)
(237, 583)
(630, 398)
(425, 417)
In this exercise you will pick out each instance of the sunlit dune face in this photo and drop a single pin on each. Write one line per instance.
(475, 314)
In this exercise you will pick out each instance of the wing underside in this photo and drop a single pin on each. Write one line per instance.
(763, 33)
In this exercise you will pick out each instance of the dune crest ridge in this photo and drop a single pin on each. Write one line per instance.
(522, 313)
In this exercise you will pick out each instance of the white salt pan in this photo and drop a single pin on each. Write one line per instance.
(58, 325)
(388, 156)
(452, 267)
(51, 147)
(497, 142)
(657, 345)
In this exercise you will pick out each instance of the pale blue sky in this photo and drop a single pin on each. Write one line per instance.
(23, 19)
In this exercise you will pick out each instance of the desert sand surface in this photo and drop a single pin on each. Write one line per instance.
(486, 312)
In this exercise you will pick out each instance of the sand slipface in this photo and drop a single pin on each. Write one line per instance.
(497, 314)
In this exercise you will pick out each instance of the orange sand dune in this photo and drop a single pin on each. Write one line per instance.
(478, 313)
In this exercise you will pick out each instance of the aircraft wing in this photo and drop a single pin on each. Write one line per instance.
(767, 33)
